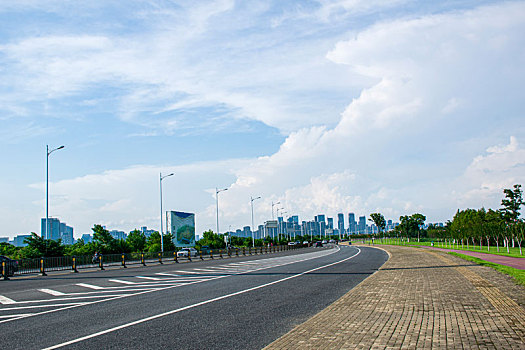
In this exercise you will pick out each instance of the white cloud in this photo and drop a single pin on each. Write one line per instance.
(438, 90)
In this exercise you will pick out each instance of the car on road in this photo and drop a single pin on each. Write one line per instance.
(11, 265)
(318, 244)
(187, 252)
(324, 241)
(291, 243)
(306, 243)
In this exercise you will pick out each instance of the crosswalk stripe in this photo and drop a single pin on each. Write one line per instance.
(149, 278)
(187, 271)
(51, 291)
(89, 286)
(6, 300)
(121, 281)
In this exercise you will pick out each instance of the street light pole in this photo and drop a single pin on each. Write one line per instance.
(217, 191)
(161, 227)
(251, 202)
(273, 205)
(48, 152)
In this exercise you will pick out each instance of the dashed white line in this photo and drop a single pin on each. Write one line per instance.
(6, 300)
(52, 292)
(122, 281)
(89, 286)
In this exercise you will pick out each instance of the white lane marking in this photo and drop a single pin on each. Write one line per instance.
(6, 300)
(39, 306)
(149, 278)
(89, 286)
(126, 325)
(185, 271)
(307, 256)
(52, 292)
(11, 316)
(204, 270)
(122, 281)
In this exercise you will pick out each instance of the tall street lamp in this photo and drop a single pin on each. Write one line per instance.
(217, 191)
(47, 186)
(273, 206)
(161, 227)
(251, 200)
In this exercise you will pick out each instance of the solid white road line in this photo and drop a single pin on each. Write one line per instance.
(186, 271)
(149, 278)
(122, 281)
(52, 292)
(126, 325)
(17, 315)
(6, 300)
(89, 286)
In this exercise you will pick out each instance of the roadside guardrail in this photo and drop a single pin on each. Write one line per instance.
(77, 263)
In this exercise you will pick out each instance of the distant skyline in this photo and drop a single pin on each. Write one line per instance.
(327, 106)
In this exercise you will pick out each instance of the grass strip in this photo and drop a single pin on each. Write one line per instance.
(517, 274)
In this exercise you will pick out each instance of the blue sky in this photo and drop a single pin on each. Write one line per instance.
(327, 106)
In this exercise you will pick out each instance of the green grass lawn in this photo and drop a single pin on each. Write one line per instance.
(514, 252)
(518, 275)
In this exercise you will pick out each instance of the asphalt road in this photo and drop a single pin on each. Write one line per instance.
(238, 303)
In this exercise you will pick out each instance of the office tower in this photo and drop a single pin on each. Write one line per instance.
(341, 223)
(362, 224)
(351, 223)
(330, 223)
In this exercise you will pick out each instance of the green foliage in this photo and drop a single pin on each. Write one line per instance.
(213, 240)
(136, 241)
(379, 220)
(39, 247)
(410, 226)
(10, 250)
(511, 204)
(106, 242)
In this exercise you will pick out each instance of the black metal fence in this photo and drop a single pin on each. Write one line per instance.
(76, 263)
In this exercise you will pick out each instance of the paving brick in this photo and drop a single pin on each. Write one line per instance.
(419, 299)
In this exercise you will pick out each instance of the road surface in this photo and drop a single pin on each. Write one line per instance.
(238, 303)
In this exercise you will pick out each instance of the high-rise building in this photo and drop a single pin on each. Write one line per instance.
(362, 224)
(19, 241)
(56, 230)
(341, 222)
(351, 223)
(330, 223)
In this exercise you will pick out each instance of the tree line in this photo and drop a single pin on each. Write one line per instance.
(476, 227)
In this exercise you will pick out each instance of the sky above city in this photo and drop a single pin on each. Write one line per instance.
(328, 106)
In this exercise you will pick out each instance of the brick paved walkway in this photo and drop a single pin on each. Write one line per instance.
(419, 299)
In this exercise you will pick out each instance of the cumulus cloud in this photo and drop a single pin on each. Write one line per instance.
(434, 93)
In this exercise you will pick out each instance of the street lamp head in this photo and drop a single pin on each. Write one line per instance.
(60, 147)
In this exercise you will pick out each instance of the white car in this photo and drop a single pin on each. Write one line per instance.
(185, 252)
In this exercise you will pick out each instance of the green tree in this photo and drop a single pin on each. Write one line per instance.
(212, 240)
(136, 241)
(511, 204)
(40, 247)
(153, 242)
(103, 238)
(379, 220)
